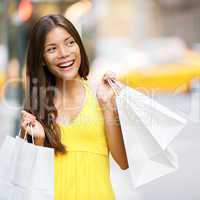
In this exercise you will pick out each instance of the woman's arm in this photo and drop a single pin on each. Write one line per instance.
(115, 138)
(106, 98)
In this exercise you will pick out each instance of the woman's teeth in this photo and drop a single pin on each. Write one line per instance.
(68, 64)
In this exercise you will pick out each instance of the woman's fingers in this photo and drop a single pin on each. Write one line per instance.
(26, 114)
(27, 118)
(25, 126)
(113, 80)
(25, 123)
(109, 75)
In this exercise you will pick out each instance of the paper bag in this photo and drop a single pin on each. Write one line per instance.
(148, 128)
(26, 171)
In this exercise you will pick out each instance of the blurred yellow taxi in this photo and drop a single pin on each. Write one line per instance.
(166, 77)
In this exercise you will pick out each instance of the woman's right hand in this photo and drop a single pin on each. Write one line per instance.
(38, 130)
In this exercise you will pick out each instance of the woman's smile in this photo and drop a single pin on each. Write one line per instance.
(62, 54)
(66, 65)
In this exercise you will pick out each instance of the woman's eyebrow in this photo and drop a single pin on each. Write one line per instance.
(67, 38)
(52, 44)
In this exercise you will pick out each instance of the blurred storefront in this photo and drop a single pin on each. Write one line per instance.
(3, 41)
(144, 42)
(127, 26)
(149, 43)
(113, 31)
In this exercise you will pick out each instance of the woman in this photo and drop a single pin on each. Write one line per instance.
(57, 70)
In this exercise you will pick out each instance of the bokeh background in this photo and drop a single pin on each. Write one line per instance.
(152, 45)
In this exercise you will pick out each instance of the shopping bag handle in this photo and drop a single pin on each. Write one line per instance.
(26, 132)
(116, 87)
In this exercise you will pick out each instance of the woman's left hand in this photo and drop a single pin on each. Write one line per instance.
(105, 94)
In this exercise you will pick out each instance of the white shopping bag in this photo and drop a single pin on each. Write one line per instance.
(148, 128)
(26, 170)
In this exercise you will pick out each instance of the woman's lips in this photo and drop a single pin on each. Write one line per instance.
(65, 66)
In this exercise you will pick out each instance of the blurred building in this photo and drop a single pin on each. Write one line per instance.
(117, 34)
(3, 40)
(181, 18)
(141, 20)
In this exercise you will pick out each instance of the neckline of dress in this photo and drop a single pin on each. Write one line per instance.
(73, 121)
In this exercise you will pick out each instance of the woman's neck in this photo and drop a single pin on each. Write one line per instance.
(68, 88)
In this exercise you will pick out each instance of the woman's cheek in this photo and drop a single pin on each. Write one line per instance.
(51, 60)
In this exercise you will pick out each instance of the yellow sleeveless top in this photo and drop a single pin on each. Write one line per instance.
(83, 172)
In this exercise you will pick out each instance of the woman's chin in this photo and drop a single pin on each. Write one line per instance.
(70, 76)
(66, 75)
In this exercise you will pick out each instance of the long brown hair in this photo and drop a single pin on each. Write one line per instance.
(39, 99)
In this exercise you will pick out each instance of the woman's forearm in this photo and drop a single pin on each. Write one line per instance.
(115, 138)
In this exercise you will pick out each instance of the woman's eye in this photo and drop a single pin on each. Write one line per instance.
(51, 50)
(70, 43)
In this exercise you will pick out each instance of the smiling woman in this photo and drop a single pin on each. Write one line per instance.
(43, 73)
(57, 70)
(62, 54)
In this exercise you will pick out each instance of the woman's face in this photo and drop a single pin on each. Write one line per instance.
(62, 54)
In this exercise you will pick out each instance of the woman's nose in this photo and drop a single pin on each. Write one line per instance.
(63, 52)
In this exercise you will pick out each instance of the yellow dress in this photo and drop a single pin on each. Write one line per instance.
(83, 173)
